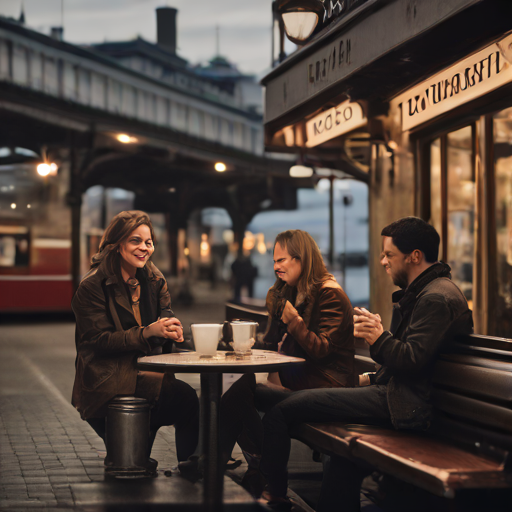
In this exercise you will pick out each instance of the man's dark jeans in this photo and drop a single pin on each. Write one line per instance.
(366, 405)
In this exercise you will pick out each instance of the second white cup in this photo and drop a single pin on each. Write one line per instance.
(206, 338)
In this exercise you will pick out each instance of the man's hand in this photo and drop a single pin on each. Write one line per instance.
(289, 313)
(367, 325)
(169, 328)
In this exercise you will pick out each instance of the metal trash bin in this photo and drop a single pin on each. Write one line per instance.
(127, 439)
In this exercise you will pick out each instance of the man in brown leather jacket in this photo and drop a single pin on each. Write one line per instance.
(429, 310)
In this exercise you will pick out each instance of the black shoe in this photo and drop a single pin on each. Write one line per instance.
(233, 464)
(190, 470)
(277, 503)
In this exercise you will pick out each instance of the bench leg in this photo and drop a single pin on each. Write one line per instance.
(341, 486)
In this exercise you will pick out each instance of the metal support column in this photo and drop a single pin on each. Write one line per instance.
(75, 203)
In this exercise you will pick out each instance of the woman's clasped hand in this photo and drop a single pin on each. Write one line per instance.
(169, 328)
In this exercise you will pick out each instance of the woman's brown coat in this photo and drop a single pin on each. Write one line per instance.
(108, 338)
(323, 335)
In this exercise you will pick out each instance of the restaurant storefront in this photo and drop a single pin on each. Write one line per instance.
(417, 97)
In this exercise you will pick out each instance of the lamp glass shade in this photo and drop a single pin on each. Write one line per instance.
(299, 25)
(301, 171)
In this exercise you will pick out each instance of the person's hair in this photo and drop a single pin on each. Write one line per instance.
(117, 232)
(411, 233)
(301, 246)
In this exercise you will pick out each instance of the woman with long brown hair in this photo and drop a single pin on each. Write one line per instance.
(123, 310)
(310, 316)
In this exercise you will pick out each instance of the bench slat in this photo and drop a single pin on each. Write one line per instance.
(481, 340)
(328, 438)
(430, 464)
(493, 364)
(482, 413)
(471, 380)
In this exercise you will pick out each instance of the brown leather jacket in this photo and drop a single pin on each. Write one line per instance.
(108, 338)
(323, 335)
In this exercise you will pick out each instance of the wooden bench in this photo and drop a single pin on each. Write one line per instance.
(469, 444)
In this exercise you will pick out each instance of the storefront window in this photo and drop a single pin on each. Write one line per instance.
(452, 203)
(435, 189)
(503, 186)
(461, 209)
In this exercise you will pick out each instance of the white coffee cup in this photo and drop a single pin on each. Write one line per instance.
(206, 338)
(244, 334)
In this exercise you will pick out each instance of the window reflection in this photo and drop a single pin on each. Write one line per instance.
(461, 209)
(435, 189)
(503, 176)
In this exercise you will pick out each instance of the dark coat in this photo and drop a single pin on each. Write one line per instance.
(323, 335)
(426, 316)
(108, 338)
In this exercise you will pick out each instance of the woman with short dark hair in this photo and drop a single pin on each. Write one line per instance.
(123, 311)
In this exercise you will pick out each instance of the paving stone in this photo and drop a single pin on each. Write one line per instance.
(36, 480)
(13, 487)
(36, 473)
(15, 479)
(18, 503)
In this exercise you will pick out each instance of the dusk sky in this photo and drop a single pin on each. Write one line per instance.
(245, 26)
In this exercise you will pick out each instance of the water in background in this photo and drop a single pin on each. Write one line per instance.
(350, 235)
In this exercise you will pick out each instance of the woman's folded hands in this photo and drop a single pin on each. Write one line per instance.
(169, 328)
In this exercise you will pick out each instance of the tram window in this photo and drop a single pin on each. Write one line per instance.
(14, 249)
(502, 128)
(461, 208)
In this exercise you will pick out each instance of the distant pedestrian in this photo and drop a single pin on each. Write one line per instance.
(123, 310)
(244, 274)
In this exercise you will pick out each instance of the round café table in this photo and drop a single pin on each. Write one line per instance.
(211, 369)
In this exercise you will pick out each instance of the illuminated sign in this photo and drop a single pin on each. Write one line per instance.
(334, 122)
(468, 79)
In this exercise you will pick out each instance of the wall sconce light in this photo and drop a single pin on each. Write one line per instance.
(220, 167)
(126, 139)
(300, 18)
(301, 171)
(45, 169)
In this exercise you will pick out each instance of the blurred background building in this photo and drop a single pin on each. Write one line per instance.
(90, 130)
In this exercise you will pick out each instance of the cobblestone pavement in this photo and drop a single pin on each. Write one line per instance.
(50, 459)
(45, 448)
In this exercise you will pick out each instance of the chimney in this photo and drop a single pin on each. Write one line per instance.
(166, 28)
(57, 33)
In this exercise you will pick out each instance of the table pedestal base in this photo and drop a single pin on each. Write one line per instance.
(211, 459)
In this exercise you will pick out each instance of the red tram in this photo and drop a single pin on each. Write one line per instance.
(35, 235)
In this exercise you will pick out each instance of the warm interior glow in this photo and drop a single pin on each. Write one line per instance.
(261, 246)
(126, 139)
(186, 251)
(301, 171)
(205, 246)
(299, 25)
(249, 241)
(44, 169)
(13, 206)
(220, 167)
